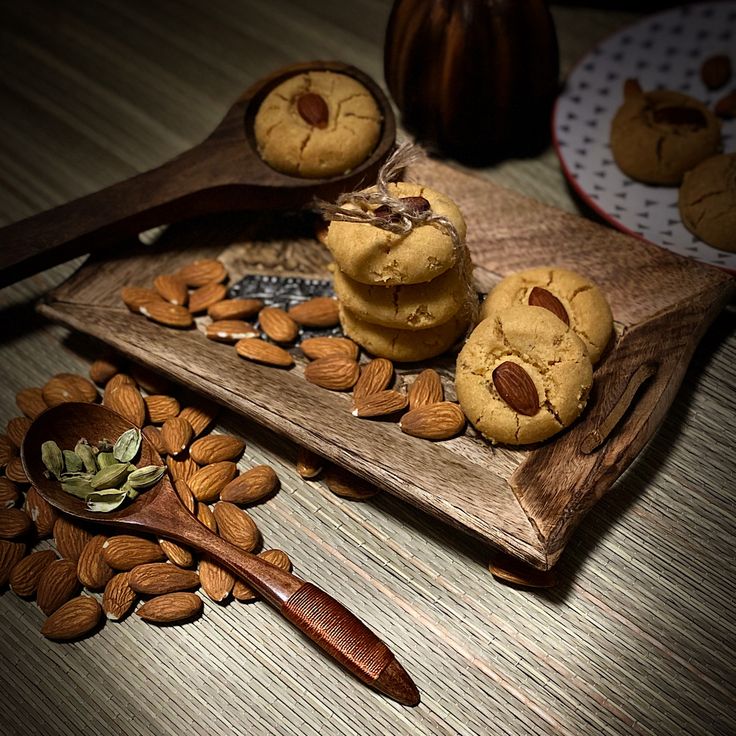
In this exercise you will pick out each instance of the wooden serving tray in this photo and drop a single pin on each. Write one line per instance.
(524, 501)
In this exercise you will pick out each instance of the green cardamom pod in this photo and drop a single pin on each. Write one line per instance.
(77, 487)
(72, 461)
(105, 500)
(110, 477)
(105, 459)
(76, 474)
(132, 493)
(52, 458)
(86, 455)
(127, 446)
(146, 476)
(104, 445)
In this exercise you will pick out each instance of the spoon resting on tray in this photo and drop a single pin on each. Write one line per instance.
(158, 511)
(223, 173)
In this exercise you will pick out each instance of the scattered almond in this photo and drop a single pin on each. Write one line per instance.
(216, 448)
(11, 553)
(333, 373)
(160, 408)
(84, 386)
(230, 330)
(128, 402)
(217, 582)
(171, 289)
(118, 380)
(182, 468)
(9, 494)
(715, 71)
(7, 450)
(14, 471)
(205, 296)
(172, 608)
(347, 485)
(234, 309)
(153, 435)
(14, 523)
(426, 389)
(200, 416)
(30, 402)
(75, 619)
(176, 435)
(434, 421)
(176, 553)
(167, 314)
(103, 369)
(260, 351)
(70, 539)
(251, 486)
(25, 575)
(243, 592)
(42, 513)
(327, 347)
(136, 297)
(201, 272)
(277, 324)
(374, 377)
(380, 404)
(119, 597)
(124, 552)
(725, 108)
(92, 569)
(16, 429)
(159, 578)
(308, 464)
(206, 517)
(236, 526)
(185, 495)
(208, 481)
(510, 570)
(59, 390)
(57, 584)
(322, 311)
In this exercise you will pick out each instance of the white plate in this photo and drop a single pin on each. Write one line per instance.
(661, 51)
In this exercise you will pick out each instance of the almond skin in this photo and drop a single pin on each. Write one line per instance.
(200, 416)
(42, 513)
(207, 483)
(260, 351)
(124, 552)
(119, 597)
(205, 296)
(11, 553)
(347, 485)
(16, 429)
(170, 315)
(92, 569)
(539, 297)
(30, 402)
(103, 369)
(25, 575)
(509, 570)
(172, 608)
(59, 390)
(308, 464)
(136, 297)
(434, 421)
(333, 373)
(217, 582)
(171, 289)
(15, 472)
(201, 272)
(118, 380)
(725, 108)
(322, 311)
(516, 388)
(9, 494)
(160, 407)
(128, 402)
(205, 516)
(374, 377)
(216, 448)
(58, 584)
(277, 324)
(325, 347)
(176, 434)
(276, 557)
(176, 553)
(70, 539)
(380, 404)
(153, 435)
(7, 450)
(230, 330)
(182, 468)
(14, 523)
(234, 309)
(159, 578)
(251, 486)
(313, 109)
(75, 619)
(185, 495)
(236, 526)
(426, 389)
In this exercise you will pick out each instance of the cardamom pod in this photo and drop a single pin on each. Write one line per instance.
(105, 459)
(106, 500)
(132, 493)
(86, 455)
(146, 476)
(72, 462)
(127, 445)
(52, 458)
(76, 474)
(110, 477)
(78, 487)
(105, 445)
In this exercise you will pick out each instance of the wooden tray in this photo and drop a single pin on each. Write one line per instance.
(526, 502)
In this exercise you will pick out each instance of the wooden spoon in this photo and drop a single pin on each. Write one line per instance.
(223, 173)
(158, 511)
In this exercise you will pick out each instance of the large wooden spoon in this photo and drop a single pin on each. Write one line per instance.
(158, 511)
(223, 173)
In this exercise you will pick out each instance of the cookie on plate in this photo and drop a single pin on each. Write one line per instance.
(708, 201)
(522, 376)
(573, 298)
(317, 124)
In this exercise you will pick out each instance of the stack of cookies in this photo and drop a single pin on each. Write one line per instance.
(405, 297)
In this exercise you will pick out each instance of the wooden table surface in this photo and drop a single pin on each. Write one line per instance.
(639, 637)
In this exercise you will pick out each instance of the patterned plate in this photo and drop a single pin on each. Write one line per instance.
(661, 51)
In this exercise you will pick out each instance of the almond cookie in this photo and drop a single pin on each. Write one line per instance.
(371, 255)
(317, 125)
(657, 136)
(577, 301)
(708, 201)
(544, 390)
(402, 346)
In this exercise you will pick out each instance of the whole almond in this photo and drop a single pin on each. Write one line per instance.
(118, 380)
(128, 402)
(172, 608)
(243, 592)
(207, 483)
(14, 471)
(230, 330)
(27, 572)
(182, 468)
(16, 429)
(539, 297)
(308, 464)
(260, 351)
(216, 448)
(205, 296)
(200, 416)
(92, 569)
(345, 484)
(170, 315)
(725, 108)
(11, 553)
(322, 311)
(715, 71)
(171, 289)
(58, 584)
(327, 347)
(277, 324)
(237, 309)
(374, 377)
(153, 435)
(30, 401)
(380, 404)
(205, 516)
(201, 272)
(313, 109)
(136, 297)
(217, 582)
(9, 494)
(176, 553)
(70, 539)
(83, 385)
(149, 380)
(185, 495)
(276, 557)
(14, 523)
(251, 486)
(159, 578)
(75, 619)
(42, 513)
(236, 526)
(506, 568)
(160, 408)
(334, 373)
(434, 421)
(516, 388)
(176, 435)
(103, 369)
(7, 450)
(426, 389)
(118, 597)
(124, 552)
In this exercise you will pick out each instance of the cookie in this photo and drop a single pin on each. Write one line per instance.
(581, 302)
(708, 201)
(317, 125)
(549, 353)
(657, 136)
(402, 346)
(370, 255)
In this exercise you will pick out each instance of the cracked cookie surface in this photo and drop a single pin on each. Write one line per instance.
(370, 255)
(550, 353)
(587, 308)
(290, 144)
(708, 201)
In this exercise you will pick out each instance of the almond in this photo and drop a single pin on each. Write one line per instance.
(539, 297)
(84, 386)
(7, 450)
(118, 380)
(171, 289)
(182, 468)
(103, 369)
(243, 592)
(334, 373)
(92, 569)
(58, 584)
(308, 464)
(208, 481)
(380, 404)
(715, 71)
(125, 552)
(506, 568)
(725, 108)
(206, 517)
(434, 421)
(160, 408)
(14, 523)
(170, 315)
(153, 435)
(176, 553)
(201, 272)
(277, 324)
(9, 494)
(70, 539)
(200, 416)
(347, 485)
(30, 401)
(216, 448)
(322, 311)
(159, 578)
(374, 377)
(128, 402)
(176, 435)
(236, 526)
(136, 297)
(150, 381)
(185, 495)
(234, 309)
(260, 351)
(313, 109)
(119, 597)
(42, 513)
(516, 388)
(14, 471)
(251, 486)
(230, 330)
(216, 581)
(172, 608)
(11, 553)
(27, 572)
(426, 389)
(75, 619)
(205, 296)
(326, 347)
(16, 429)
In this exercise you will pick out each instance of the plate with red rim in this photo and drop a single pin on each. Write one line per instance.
(661, 51)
